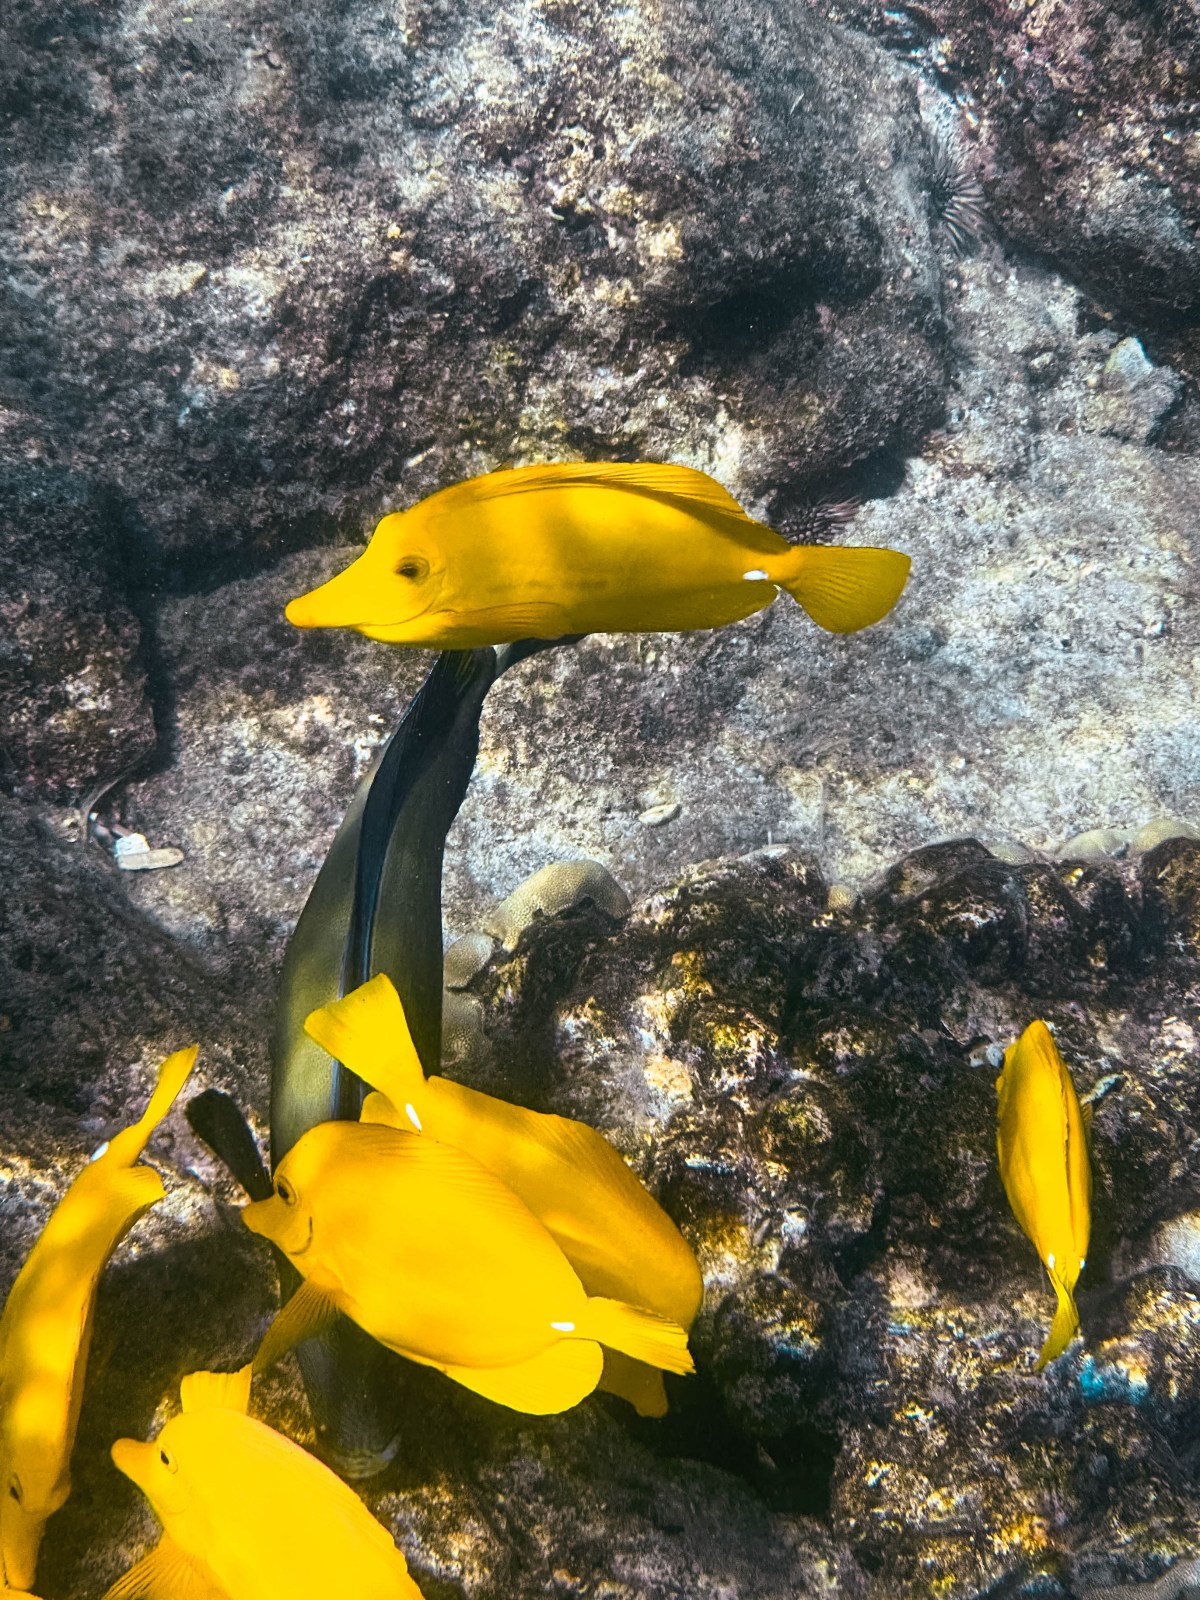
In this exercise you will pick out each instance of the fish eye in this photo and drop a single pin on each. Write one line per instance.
(412, 567)
(168, 1460)
(285, 1191)
(14, 1489)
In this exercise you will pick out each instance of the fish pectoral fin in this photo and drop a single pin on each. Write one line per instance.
(530, 619)
(216, 1391)
(368, 1032)
(165, 1574)
(636, 1382)
(1064, 1327)
(553, 1381)
(308, 1313)
(842, 587)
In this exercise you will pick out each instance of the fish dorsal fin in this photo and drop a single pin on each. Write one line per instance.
(125, 1147)
(662, 479)
(165, 1574)
(216, 1391)
(368, 1032)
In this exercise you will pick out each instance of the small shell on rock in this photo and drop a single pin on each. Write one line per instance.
(135, 855)
(1095, 844)
(465, 958)
(555, 889)
(655, 816)
(1161, 829)
(462, 1027)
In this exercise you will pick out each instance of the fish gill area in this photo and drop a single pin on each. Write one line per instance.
(268, 271)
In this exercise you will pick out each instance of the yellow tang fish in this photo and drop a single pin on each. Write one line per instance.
(579, 547)
(46, 1327)
(428, 1251)
(247, 1514)
(1041, 1135)
(619, 1240)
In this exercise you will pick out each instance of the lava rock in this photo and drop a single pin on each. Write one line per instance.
(73, 704)
(318, 265)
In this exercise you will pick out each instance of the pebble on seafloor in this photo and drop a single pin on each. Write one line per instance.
(551, 892)
(466, 959)
(1095, 844)
(654, 816)
(134, 854)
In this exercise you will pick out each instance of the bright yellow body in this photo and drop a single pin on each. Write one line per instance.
(608, 547)
(620, 1242)
(1044, 1163)
(46, 1327)
(428, 1251)
(247, 1514)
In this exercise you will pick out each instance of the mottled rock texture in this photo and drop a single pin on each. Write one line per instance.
(268, 268)
(73, 704)
(1086, 122)
(810, 1094)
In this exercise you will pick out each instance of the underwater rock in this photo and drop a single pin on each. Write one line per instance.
(73, 706)
(324, 263)
(1084, 119)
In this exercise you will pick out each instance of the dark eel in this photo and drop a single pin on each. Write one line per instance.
(375, 907)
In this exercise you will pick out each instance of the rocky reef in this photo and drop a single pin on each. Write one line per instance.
(934, 268)
(809, 1091)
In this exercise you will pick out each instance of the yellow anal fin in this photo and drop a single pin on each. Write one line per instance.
(309, 1312)
(216, 1391)
(636, 1382)
(125, 1147)
(1064, 1327)
(846, 588)
(555, 1380)
(165, 1574)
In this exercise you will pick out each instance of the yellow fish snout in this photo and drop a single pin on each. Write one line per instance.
(20, 1541)
(135, 1460)
(282, 1224)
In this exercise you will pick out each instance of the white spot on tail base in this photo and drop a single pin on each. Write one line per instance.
(412, 1115)
(563, 1327)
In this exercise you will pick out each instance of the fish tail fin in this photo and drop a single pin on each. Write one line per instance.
(125, 1147)
(844, 588)
(216, 1391)
(368, 1032)
(1065, 1325)
(641, 1334)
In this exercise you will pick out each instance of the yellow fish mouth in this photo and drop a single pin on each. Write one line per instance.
(269, 1218)
(354, 598)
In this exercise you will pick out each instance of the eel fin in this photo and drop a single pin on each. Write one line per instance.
(552, 1381)
(308, 1313)
(844, 587)
(164, 1574)
(216, 1391)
